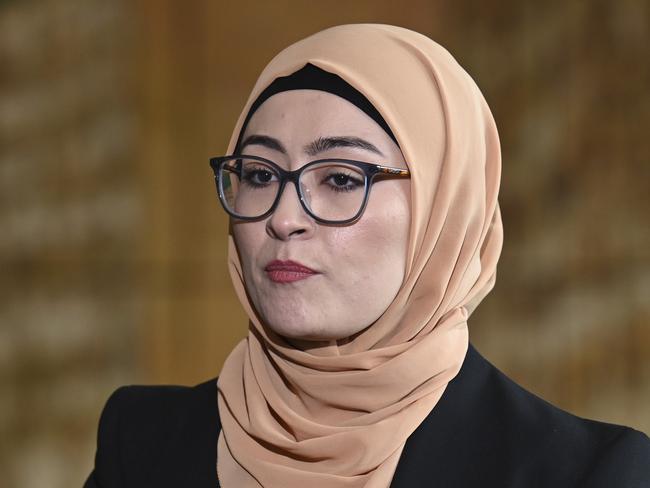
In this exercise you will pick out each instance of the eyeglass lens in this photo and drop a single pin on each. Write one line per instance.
(331, 190)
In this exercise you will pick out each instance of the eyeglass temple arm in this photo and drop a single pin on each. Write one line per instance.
(393, 171)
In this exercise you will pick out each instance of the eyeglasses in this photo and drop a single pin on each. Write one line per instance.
(332, 191)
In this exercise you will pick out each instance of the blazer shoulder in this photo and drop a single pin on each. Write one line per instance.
(625, 462)
(146, 404)
(557, 445)
(504, 435)
(137, 422)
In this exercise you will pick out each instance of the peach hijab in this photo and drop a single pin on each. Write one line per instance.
(338, 414)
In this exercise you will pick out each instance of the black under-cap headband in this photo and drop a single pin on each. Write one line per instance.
(312, 77)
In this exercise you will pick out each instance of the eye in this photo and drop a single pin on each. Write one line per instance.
(343, 181)
(258, 177)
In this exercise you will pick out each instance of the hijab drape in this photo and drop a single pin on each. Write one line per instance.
(338, 413)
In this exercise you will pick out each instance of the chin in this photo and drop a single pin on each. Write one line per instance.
(297, 321)
(299, 332)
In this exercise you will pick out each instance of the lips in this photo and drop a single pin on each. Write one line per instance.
(288, 271)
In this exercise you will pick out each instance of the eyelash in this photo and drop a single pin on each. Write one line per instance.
(250, 174)
(339, 189)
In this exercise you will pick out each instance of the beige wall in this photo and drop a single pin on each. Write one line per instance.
(112, 242)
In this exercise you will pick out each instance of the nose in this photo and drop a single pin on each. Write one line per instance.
(289, 220)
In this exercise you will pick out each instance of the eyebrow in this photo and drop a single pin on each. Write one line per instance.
(313, 148)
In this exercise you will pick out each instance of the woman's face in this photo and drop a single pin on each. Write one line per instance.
(360, 266)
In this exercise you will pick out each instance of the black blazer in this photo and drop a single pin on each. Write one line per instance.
(486, 431)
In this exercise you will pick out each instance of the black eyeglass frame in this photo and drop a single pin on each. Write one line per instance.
(370, 171)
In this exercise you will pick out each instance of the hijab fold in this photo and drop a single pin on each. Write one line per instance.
(338, 413)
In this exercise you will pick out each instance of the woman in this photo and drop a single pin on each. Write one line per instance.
(365, 229)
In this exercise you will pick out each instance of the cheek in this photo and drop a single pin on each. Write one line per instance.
(243, 240)
(374, 248)
(248, 242)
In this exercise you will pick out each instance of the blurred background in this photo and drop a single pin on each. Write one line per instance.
(112, 241)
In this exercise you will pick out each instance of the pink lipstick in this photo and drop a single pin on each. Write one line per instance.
(287, 271)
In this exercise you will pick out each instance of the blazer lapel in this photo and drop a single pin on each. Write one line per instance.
(436, 447)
